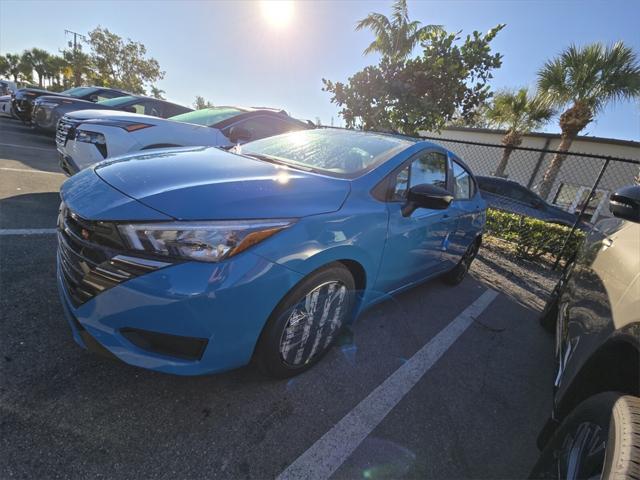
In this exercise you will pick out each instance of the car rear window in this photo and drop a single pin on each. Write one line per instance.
(207, 116)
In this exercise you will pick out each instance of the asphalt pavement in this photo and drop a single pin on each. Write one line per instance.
(437, 382)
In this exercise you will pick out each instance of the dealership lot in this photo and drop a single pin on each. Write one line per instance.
(474, 411)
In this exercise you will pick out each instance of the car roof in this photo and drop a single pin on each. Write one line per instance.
(247, 112)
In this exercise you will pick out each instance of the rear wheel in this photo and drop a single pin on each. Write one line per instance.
(455, 276)
(599, 439)
(306, 323)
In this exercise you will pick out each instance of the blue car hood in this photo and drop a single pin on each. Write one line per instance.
(212, 184)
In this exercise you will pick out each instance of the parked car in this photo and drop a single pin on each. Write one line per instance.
(84, 138)
(510, 196)
(5, 106)
(7, 87)
(196, 260)
(23, 98)
(47, 111)
(594, 429)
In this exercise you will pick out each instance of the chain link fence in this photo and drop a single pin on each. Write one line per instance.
(541, 230)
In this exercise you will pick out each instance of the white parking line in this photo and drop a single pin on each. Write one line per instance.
(15, 145)
(27, 231)
(325, 456)
(26, 170)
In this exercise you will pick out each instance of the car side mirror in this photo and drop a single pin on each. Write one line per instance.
(624, 203)
(239, 134)
(426, 196)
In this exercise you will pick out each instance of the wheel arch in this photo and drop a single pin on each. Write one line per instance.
(615, 366)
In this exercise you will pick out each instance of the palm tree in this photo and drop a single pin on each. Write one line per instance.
(518, 113)
(586, 79)
(38, 59)
(17, 67)
(395, 36)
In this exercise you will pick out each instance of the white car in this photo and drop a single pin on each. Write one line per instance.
(5, 106)
(90, 136)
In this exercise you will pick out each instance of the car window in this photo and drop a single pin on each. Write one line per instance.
(343, 153)
(207, 116)
(107, 94)
(428, 167)
(263, 126)
(462, 183)
(153, 108)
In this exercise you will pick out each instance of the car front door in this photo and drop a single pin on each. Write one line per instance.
(467, 208)
(414, 246)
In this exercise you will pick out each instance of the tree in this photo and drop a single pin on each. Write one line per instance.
(201, 103)
(17, 67)
(4, 65)
(447, 81)
(79, 63)
(122, 63)
(38, 59)
(585, 79)
(157, 92)
(396, 37)
(518, 113)
(54, 69)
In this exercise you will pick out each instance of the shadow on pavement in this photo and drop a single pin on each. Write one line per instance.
(31, 210)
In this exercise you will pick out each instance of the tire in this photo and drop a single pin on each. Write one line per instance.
(455, 276)
(599, 439)
(292, 340)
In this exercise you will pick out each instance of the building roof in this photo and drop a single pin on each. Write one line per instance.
(552, 136)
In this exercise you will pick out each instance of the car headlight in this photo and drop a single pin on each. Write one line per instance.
(201, 241)
(96, 138)
(47, 104)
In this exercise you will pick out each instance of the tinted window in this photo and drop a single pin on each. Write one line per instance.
(154, 108)
(462, 183)
(263, 126)
(207, 116)
(429, 167)
(171, 109)
(343, 152)
(116, 102)
(107, 94)
(79, 91)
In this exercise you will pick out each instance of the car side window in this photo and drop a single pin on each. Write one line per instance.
(462, 183)
(107, 95)
(153, 108)
(264, 126)
(428, 167)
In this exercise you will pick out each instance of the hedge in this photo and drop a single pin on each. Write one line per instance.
(531, 237)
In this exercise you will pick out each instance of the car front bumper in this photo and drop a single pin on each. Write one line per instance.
(220, 308)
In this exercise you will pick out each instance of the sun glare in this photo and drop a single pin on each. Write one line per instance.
(277, 13)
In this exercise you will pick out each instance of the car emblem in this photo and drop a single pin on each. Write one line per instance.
(85, 233)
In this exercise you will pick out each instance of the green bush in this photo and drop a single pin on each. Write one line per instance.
(531, 237)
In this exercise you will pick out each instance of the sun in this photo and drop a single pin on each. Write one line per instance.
(277, 13)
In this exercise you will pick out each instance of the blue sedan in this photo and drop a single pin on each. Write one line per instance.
(198, 260)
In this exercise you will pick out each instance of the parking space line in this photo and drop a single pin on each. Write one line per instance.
(27, 170)
(325, 456)
(27, 231)
(15, 145)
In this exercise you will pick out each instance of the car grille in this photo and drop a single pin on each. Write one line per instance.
(66, 128)
(91, 257)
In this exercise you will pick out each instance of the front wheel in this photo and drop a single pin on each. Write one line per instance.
(306, 322)
(600, 439)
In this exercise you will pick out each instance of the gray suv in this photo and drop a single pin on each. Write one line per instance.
(594, 429)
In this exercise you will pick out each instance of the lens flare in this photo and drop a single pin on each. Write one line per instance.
(277, 13)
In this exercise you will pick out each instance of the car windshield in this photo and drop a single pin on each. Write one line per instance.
(114, 102)
(344, 153)
(79, 91)
(207, 116)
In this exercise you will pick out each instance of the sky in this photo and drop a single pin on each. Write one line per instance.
(232, 53)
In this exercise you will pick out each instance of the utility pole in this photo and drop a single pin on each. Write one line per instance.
(75, 38)
(77, 77)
